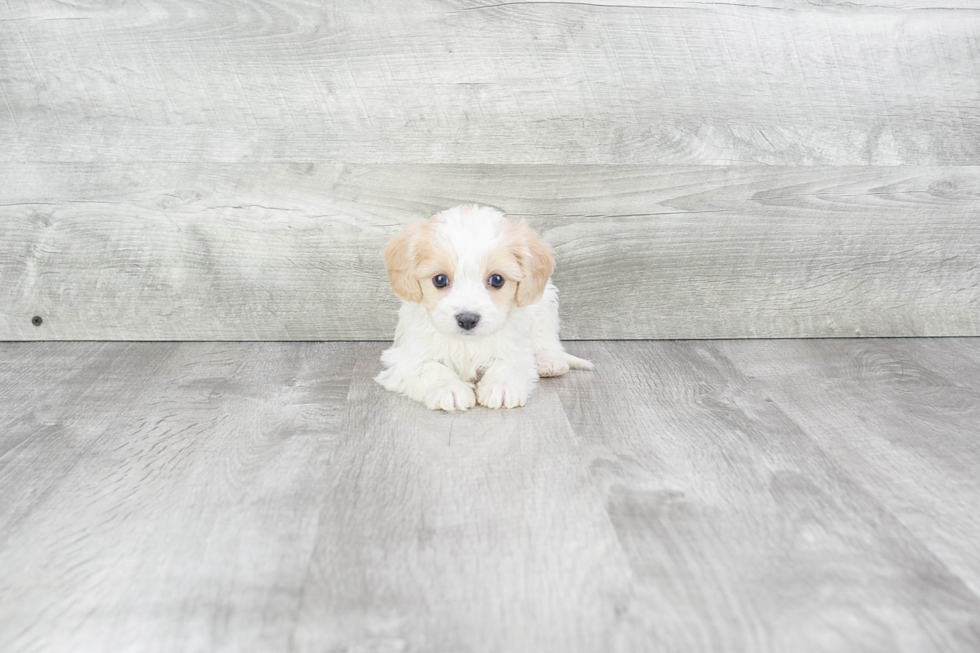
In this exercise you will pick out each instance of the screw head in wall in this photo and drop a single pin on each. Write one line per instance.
(36, 320)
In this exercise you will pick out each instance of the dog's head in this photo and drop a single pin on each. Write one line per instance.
(469, 266)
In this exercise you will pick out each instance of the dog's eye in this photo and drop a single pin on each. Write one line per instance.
(440, 281)
(496, 280)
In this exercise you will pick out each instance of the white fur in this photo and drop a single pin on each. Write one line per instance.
(496, 364)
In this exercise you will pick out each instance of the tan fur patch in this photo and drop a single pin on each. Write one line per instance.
(440, 262)
(412, 258)
(536, 261)
(504, 262)
(400, 263)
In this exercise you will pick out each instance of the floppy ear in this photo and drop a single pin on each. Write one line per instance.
(537, 264)
(400, 259)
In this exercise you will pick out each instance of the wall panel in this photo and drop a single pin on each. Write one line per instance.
(294, 251)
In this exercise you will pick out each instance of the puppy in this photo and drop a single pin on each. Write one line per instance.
(479, 316)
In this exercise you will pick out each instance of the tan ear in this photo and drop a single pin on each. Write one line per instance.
(401, 259)
(537, 263)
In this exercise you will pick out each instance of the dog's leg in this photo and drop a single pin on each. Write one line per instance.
(550, 356)
(506, 385)
(431, 383)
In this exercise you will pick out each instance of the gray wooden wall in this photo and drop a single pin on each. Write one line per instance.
(186, 169)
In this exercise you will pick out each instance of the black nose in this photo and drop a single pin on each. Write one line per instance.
(467, 320)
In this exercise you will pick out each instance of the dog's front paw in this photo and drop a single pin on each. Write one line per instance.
(550, 363)
(452, 396)
(500, 395)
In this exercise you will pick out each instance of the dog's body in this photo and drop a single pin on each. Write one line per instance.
(479, 315)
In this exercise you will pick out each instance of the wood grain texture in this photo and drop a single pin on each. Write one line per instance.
(161, 497)
(747, 496)
(474, 531)
(924, 429)
(742, 532)
(294, 252)
(781, 82)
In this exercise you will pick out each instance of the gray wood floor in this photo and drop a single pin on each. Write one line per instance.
(769, 495)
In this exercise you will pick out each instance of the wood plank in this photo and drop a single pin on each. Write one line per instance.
(478, 531)
(907, 433)
(743, 534)
(294, 252)
(780, 82)
(162, 497)
(958, 363)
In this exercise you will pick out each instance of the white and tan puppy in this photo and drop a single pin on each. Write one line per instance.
(479, 315)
